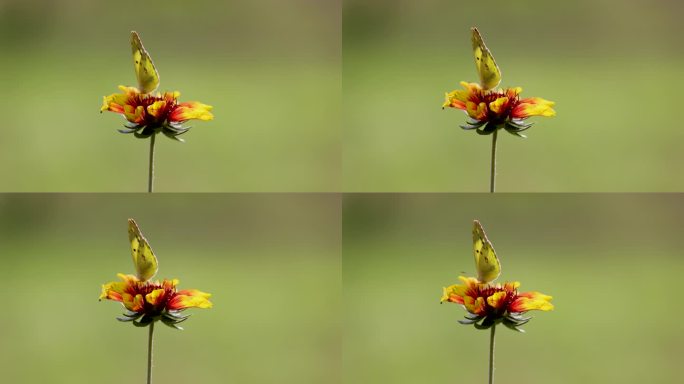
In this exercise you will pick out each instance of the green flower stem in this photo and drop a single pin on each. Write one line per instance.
(492, 178)
(491, 352)
(150, 177)
(149, 350)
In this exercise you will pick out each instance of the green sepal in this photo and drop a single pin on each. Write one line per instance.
(132, 125)
(516, 133)
(511, 325)
(172, 136)
(144, 321)
(488, 322)
(142, 135)
(171, 323)
(472, 124)
(488, 129)
(129, 316)
(472, 316)
(179, 128)
(517, 323)
(518, 124)
(469, 321)
(132, 314)
(175, 315)
(126, 319)
(481, 326)
(147, 131)
(518, 316)
(514, 127)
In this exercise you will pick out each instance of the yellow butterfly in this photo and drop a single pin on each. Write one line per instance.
(489, 72)
(486, 262)
(143, 258)
(145, 71)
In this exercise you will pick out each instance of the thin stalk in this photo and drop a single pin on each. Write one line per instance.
(149, 353)
(491, 355)
(492, 178)
(150, 177)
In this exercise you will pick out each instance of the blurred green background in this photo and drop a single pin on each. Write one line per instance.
(612, 263)
(270, 68)
(613, 68)
(272, 263)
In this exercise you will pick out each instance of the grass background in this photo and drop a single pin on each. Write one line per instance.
(271, 263)
(270, 68)
(611, 262)
(612, 67)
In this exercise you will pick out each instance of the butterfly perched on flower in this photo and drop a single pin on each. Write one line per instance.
(486, 263)
(144, 260)
(489, 72)
(145, 71)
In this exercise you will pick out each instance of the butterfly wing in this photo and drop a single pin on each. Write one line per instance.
(145, 71)
(143, 258)
(486, 262)
(489, 72)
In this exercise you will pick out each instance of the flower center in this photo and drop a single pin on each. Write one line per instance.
(154, 304)
(499, 306)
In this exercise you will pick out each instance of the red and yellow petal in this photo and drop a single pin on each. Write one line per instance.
(452, 99)
(474, 305)
(116, 101)
(138, 303)
(511, 285)
(452, 294)
(533, 106)
(170, 284)
(188, 299)
(512, 93)
(128, 279)
(497, 300)
(456, 293)
(499, 105)
(191, 110)
(470, 282)
(528, 301)
(129, 91)
(155, 297)
(459, 98)
(115, 289)
(133, 303)
(471, 87)
(477, 111)
(171, 96)
(111, 292)
(157, 108)
(134, 114)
